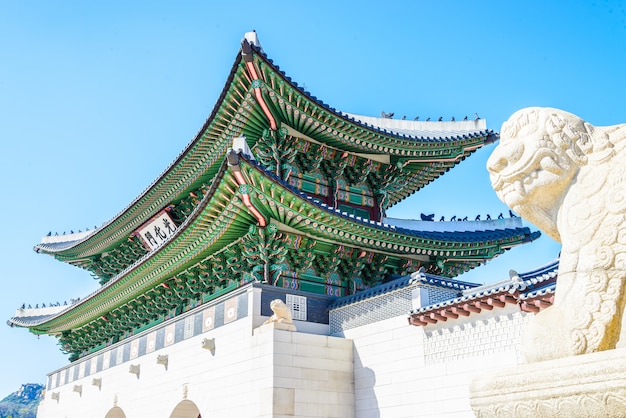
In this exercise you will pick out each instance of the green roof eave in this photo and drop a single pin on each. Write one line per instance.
(237, 112)
(275, 200)
(218, 220)
(197, 163)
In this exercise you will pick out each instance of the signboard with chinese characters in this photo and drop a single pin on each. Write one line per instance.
(157, 230)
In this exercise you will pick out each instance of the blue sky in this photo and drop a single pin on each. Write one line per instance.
(96, 99)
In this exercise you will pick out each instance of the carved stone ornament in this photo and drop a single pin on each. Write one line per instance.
(591, 385)
(569, 178)
(281, 318)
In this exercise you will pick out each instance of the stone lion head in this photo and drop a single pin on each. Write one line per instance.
(540, 153)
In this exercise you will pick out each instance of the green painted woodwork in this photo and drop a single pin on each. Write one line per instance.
(276, 151)
(237, 113)
(264, 250)
(277, 202)
(218, 245)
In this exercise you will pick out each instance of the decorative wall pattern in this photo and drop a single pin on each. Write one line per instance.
(370, 310)
(185, 326)
(479, 337)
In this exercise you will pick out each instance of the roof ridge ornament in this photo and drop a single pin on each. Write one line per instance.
(240, 146)
(246, 52)
(252, 39)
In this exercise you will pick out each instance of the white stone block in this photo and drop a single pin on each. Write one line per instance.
(314, 373)
(310, 339)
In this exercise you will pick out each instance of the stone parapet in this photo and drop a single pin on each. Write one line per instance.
(590, 385)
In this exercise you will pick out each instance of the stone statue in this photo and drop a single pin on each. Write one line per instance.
(282, 313)
(569, 178)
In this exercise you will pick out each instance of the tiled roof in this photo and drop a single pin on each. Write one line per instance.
(533, 291)
(429, 131)
(144, 206)
(475, 232)
(423, 131)
(467, 236)
(400, 283)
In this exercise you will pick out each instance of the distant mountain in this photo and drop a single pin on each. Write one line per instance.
(23, 403)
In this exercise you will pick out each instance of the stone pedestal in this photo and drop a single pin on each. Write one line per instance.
(591, 385)
(281, 326)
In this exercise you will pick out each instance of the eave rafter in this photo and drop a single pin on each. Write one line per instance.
(248, 201)
(220, 219)
(363, 253)
(445, 254)
(464, 308)
(422, 159)
(238, 112)
(235, 113)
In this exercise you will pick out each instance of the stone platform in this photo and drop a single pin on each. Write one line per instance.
(591, 385)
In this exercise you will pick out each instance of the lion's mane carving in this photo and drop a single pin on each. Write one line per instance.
(569, 178)
(282, 313)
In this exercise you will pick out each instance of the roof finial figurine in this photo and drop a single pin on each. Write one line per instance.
(416, 118)
(500, 216)
(488, 217)
(453, 218)
(428, 119)
(464, 219)
(476, 117)
(477, 218)
(511, 214)
(452, 119)
(49, 234)
(404, 117)
(517, 281)
(386, 115)
(465, 118)
(442, 219)
(440, 119)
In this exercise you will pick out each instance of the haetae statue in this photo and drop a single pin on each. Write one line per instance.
(569, 178)
(282, 313)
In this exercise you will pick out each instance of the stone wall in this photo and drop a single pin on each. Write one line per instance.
(407, 371)
(371, 310)
(241, 370)
(387, 305)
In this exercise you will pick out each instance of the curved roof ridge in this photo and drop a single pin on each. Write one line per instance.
(176, 160)
(539, 292)
(549, 267)
(118, 277)
(524, 283)
(455, 226)
(375, 124)
(400, 283)
(64, 241)
(427, 129)
(459, 236)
